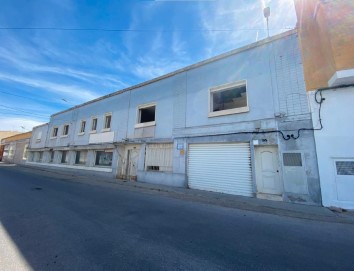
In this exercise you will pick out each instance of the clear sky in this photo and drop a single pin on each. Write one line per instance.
(43, 71)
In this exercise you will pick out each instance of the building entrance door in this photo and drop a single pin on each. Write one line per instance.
(267, 170)
(130, 163)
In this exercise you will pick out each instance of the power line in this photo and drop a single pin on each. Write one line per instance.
(140, 30)
(22, 114)
(21, 110)
(1, 91)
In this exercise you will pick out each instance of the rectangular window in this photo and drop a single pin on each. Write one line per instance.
(159, 157)
(94, 124)
(81, 157)
(66, 130)
(64, 157)
(38, 156)
(107, 122)
(146, 115)
(82, 127)
(11, 151)
(55, 132)
(345, 167)
(51, 158)
(104, 158)
(25, 152)
(228, 99)
(39, 136)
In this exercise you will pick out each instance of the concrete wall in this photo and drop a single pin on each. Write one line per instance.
(39, 137)
(334, 141)
(18, 152)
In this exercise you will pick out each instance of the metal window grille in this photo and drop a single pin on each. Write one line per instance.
(345, 167)
(292, 159)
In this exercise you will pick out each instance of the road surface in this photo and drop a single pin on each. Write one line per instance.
(53, 223)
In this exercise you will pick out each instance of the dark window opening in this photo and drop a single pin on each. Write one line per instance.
(104, 158)
(153, 168)
(229, 99)
(64, 157)
(147, 114)
(107, 123)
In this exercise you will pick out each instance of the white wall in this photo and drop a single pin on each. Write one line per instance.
(335, 141)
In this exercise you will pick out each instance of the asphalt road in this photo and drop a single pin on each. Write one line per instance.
(51, 223)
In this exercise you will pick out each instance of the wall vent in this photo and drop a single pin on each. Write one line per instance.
(345, 167)
(292, 159)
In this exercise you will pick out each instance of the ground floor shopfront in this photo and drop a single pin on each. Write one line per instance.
(263, 166)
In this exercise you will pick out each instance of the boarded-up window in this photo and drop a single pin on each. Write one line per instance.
(158, 157)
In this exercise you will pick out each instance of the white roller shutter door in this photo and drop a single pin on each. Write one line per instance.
(224, 167)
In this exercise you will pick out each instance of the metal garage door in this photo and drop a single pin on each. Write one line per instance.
(224, 167)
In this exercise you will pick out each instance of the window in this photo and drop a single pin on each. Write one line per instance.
(51, 159)
(25, 152)
(104, 158)
(55, 132)
(40, 158)
(11, 151)
(64, 157)
(39, 136)
(107, 122)
(146, 115)
(158, 157)
(228, 99)
(81, 157)
(94, 125)
(82, 127)
(66, 130)
(345, 167)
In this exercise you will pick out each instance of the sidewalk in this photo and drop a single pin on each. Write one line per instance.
(286, 209)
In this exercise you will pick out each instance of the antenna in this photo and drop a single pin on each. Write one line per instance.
(266, 13)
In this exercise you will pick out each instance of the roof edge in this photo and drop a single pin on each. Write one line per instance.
(187, 68)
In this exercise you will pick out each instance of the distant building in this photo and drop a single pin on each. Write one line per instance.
(4, 134)
(326, 34)
(15, 148)
(230, 124)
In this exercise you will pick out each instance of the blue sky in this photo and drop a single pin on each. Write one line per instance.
(43, 71)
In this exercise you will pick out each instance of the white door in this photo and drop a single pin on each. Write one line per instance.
(267, 170)
(222, 167)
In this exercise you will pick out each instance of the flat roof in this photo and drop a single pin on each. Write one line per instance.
(187, 68)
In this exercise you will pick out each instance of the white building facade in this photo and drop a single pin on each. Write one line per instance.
(238, 123)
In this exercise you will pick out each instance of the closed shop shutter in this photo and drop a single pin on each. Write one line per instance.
(224, 167)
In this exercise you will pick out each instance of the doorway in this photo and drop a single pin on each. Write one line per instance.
(129, 165)
(267, 170)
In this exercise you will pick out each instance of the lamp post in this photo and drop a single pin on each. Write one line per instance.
(266, 13)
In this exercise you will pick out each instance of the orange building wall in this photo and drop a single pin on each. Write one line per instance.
(16, 137)
(326, 34)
